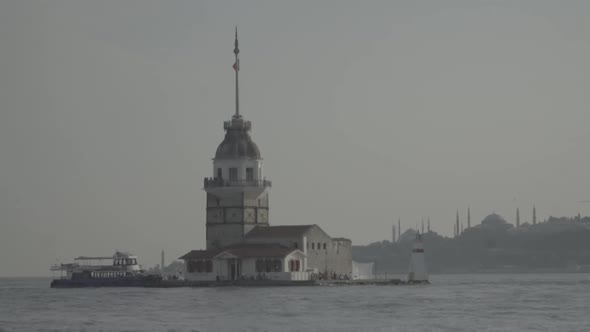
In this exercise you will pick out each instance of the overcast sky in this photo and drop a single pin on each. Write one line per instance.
(364, 111)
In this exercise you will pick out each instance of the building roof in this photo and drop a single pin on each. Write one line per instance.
(200, 254)
(341, 239)
(258, 250)
(242, 250)
(278, 231)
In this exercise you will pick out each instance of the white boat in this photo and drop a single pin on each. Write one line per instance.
(89, 271)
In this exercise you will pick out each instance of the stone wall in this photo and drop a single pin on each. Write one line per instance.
(326, 255)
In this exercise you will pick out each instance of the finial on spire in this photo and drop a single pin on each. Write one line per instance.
(236, 49)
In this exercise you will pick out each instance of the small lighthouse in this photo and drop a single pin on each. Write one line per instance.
(417, 274)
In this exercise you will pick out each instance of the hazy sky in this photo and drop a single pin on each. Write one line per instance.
(364, 111)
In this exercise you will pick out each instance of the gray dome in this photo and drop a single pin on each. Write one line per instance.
(237, 143)
(493, 219)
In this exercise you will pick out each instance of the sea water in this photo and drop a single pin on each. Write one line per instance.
(467, 302)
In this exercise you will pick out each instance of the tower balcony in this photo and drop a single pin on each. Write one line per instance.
(222, 183)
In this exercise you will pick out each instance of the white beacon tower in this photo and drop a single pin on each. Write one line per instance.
(417, 274)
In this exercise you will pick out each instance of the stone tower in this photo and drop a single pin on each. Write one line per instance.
(237, 193)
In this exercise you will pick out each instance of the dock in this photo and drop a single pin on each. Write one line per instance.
(273, 283)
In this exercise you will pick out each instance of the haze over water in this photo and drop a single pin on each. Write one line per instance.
(496, 302)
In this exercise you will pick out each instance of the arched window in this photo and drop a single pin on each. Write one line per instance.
(312, 245)
(294, 265)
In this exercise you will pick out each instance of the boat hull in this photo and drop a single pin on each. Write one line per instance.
(148, 281)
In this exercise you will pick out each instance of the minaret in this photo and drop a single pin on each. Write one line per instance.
(399, 228)
(534, 215)
(517, 218)
(468, 217)
(237, 193)
(457, 223)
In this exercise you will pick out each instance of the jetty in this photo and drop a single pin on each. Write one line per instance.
(273, 283)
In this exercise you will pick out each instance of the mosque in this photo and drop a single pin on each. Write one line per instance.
(241, 243)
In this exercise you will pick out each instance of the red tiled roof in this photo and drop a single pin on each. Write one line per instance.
(200, 254)
(242, 250)
(278, 231)
(259, 250)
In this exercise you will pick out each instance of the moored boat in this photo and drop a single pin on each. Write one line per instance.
(123, 272)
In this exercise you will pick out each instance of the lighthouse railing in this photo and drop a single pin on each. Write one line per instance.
(218, 183)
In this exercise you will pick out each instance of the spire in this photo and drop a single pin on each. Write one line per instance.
(468, 216)
(457, 223)
(236, 67)
(534, 215)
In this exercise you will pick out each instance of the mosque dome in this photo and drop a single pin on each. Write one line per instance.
(237, 143)
(493, 219)
(495, 222)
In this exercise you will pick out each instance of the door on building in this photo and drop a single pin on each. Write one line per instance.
(232, 269)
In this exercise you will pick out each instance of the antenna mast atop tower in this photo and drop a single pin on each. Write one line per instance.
(237, 69)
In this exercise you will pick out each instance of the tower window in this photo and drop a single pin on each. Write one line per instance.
(233, 174)
(312, 245)
(249, 174)
(219, 173)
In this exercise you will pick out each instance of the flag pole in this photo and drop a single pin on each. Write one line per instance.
(237, 69)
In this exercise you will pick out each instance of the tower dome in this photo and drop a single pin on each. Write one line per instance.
(237, 143)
